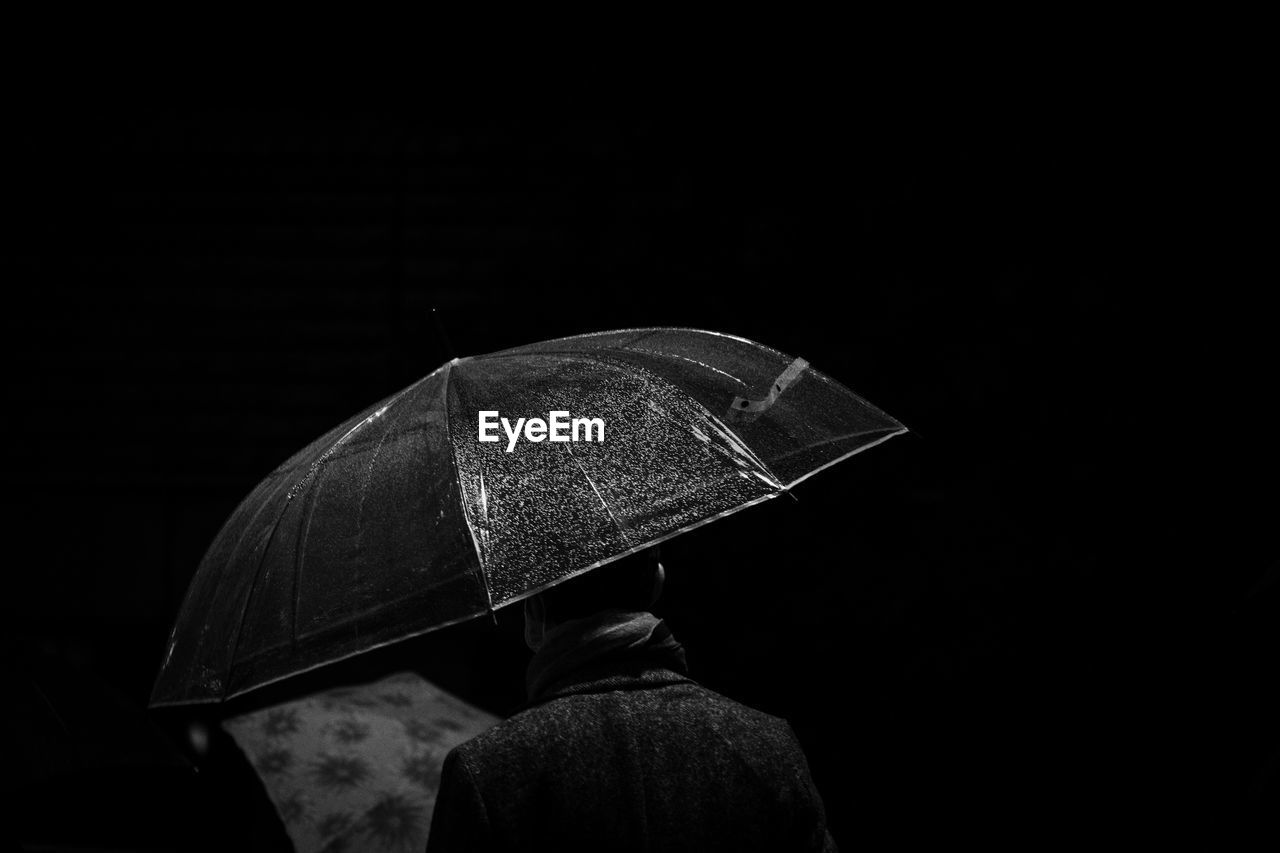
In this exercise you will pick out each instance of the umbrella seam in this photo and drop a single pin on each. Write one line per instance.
(524, 349)
(276, 680)
(690, 360)
(614, 356)
(253, 585)
(377, 451)
(649, 331)
(622, 529)
(299, 554)
(599, 356)
(895, 430)
(530, 592)
(707, 412)
(285, 468)
(625, 349)
(457, 474)
(217, 585)
(866, 446)
(317, 471)
(350, 621)
(831, 380)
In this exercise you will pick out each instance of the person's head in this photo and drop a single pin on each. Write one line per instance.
(632, 583)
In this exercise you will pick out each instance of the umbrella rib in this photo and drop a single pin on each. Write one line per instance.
(736, 439)
(600, 357)
(299, 554)
(457, 474)
(645, 332)
(688, 359)
(525, 349)
(627, 348)
(217, 585)
(253, 585)
(304, 529)
(867, 446)
(622, 528)
(321, 460)
(368, 473)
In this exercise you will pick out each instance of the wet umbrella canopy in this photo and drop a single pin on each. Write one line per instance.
(402, 519)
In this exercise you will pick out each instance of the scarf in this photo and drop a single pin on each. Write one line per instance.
(579, 642)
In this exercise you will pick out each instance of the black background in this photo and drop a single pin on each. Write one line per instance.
(997, 625)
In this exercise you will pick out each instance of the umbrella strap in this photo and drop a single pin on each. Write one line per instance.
(741, 405)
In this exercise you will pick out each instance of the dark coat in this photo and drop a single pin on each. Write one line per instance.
(625, 756)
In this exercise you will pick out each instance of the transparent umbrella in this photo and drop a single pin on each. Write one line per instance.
(403, 520)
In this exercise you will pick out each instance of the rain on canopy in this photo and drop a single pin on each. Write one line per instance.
(400, 521)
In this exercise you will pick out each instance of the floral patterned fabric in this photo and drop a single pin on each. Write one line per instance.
(357, 768)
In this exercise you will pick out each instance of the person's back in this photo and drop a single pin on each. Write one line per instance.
(619, 750)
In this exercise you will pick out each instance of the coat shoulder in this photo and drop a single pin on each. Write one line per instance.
(670, 766)
(686, 712)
